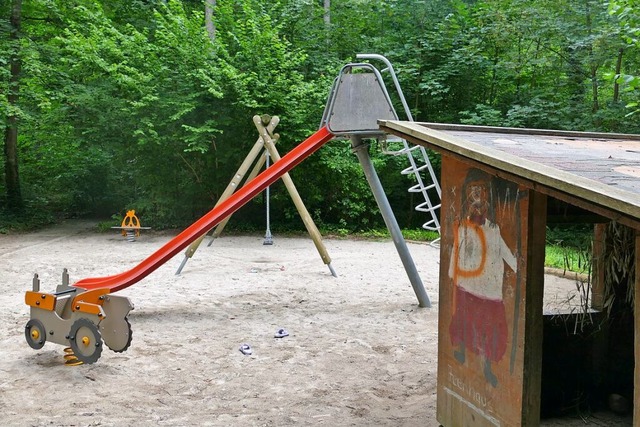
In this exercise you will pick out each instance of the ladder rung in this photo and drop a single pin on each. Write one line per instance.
(420, 187)
(428, 226)
(421, 207)
(427, 210)
(393, 153)
(435, 243)
(407, 149)
(414, 170)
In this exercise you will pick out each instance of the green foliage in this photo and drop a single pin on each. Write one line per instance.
(342, 196)
(128, 103)
(628, 16)
(419, 235)
(567, 259)
(569, 247)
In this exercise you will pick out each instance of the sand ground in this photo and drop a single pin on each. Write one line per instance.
(360, 352)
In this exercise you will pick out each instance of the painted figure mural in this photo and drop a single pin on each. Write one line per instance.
(477, 269)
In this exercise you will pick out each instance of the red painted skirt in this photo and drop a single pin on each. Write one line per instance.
(479, 324)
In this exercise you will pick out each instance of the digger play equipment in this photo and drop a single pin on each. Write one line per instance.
(80, 320)
(86, 314)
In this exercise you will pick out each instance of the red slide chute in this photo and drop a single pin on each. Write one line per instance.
(211, 219)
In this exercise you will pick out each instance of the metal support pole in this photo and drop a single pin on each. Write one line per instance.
(257, 167)
(361, 151)
(268, 238)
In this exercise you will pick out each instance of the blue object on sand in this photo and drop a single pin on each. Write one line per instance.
(246, 349)
(281, 333)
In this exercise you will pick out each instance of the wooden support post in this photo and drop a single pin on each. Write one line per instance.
(536, 220)
(254, 172)
(267, 140)
(238, 177)
(636, 382)
(313, 231)
(597, 277)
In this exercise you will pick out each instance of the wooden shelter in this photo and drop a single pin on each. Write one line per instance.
(496, 183)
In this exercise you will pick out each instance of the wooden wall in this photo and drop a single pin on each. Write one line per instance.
(491, 287)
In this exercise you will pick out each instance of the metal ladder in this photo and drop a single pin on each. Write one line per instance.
(417, 157)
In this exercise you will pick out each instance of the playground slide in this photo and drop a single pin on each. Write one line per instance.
(211, 219)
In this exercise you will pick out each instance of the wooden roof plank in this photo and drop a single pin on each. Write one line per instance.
(592, 183)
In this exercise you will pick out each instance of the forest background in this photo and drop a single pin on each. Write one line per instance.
(109, 105)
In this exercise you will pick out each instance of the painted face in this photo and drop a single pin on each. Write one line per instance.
(477, 202)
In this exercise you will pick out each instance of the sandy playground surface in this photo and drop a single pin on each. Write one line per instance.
(360, 352)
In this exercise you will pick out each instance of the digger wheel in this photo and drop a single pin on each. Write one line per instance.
(121, 342)
(35, 334)
(85, 341)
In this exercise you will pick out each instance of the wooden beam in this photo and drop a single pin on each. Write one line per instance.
(593, 196)
(636, 382)
(597, 264)
(533, 302)
(529, 131)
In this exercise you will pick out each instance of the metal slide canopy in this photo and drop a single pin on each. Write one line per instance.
(358, 99)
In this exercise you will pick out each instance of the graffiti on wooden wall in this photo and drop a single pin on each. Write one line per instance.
(479, 258)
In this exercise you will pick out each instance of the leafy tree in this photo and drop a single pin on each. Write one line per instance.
(147, 104)
(628, 14)
(11, 174)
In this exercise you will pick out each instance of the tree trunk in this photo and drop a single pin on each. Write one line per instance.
(209, 5)
(327, 14)
(595, 105)
(616, 85)
(12, 179)
(327, 23)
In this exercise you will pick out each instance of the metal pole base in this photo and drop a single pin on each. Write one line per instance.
(182, 264)
(268, 240)
(333, 272)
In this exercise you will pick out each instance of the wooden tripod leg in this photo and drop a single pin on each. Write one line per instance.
(254, 172)
(269, 143)
(231, 187)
